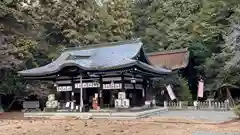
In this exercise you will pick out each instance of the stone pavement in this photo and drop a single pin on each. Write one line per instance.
(210, 116)
(98, 115)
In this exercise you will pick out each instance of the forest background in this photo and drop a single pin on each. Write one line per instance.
(34, 32)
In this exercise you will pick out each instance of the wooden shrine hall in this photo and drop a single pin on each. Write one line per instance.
(115, 74)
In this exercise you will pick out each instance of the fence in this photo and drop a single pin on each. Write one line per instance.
(176, 105)
(212, 105)
(206, 105)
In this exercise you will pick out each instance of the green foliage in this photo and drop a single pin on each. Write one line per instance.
(185, 93)
(11, 83)
(237, 110)
(32, 35)
(83, 22)
(200, 25)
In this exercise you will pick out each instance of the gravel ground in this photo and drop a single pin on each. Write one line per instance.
(210, 116)
(215, 133)
(15, 124)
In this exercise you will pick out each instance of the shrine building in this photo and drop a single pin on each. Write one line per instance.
(101, 70)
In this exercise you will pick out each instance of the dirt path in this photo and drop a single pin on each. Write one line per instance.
(148, 126)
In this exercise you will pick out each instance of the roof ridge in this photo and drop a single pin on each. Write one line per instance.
(168, 52)
(106, 44)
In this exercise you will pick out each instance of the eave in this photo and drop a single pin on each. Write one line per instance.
(173, 59)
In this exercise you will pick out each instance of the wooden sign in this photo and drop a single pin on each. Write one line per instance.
(122, 103)
(125, 103)
(121, 95)
(117, 103)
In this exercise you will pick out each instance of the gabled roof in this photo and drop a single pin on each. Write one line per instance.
(98, 58)
(174, 59)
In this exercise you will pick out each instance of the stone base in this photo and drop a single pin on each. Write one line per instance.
(99, 115)
(50, 109)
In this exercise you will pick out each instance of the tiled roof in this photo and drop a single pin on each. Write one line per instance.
(175, 59)
(97, 57)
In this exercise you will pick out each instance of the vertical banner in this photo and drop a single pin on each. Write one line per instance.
(170, 92)
(200, 88)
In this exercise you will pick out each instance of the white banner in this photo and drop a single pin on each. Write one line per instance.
(200, 88)
(170, 92)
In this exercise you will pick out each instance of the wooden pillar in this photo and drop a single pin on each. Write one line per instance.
(0, 101)
(72, 93)
(100, 91)
(72, 96)
(145, 90)
(123, 83)
(134, 99)
(67, 96)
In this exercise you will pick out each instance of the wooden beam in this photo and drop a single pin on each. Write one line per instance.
(123, 83)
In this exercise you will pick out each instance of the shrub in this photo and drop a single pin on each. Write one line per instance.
(185, 93)
(237, 110)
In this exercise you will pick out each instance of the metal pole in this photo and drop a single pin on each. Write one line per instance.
(81, 94)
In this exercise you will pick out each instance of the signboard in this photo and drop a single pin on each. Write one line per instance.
(121, 95)
(117, 103)
(64, 88)
(129, 86)
(88, 85)
(85, 85)
(122, 102)
(51, 97)
(125, 103)
(112, 86)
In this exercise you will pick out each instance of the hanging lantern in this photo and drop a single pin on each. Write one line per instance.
(55, 85)
(133, 80)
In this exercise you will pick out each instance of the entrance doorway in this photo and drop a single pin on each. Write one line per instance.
(135, 97)
(88, 96)
(109, 97)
